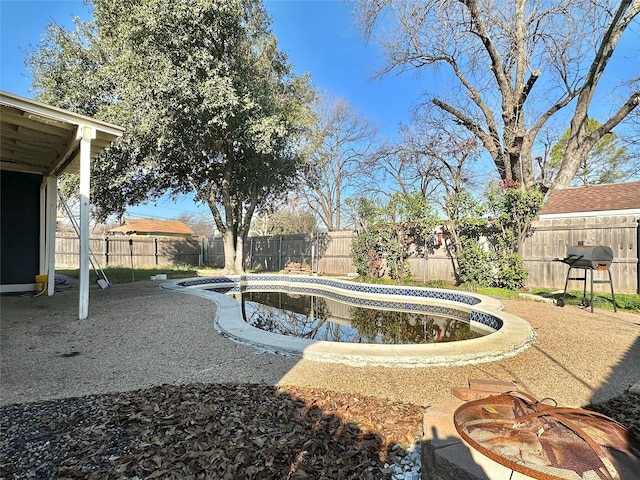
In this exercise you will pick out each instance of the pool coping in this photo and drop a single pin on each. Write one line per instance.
(514, 336)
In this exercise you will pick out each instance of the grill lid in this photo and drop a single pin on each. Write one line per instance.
(597, 257)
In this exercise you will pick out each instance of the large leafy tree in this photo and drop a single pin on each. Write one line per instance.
(514, 67)
(209, 103)
(607, 162)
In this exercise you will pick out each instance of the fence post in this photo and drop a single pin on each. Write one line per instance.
(251, 253)
(280, 255)
(106, 251)
(638, 258)
(133, 275)
(155, 251)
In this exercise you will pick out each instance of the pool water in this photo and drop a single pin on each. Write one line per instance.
(425, 314)
(317, 318)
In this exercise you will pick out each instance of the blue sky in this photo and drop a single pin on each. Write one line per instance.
(320, 37)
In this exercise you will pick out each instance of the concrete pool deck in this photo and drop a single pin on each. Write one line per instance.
(140, 335)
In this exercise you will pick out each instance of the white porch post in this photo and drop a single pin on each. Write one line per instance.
(86, 134)
(48, 210)
(52, 211)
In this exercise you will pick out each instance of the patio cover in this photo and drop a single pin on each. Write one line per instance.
(42, 139)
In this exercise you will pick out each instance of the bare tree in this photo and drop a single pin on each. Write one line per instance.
(289, 217)
(398, 167)
(514, 66)
(201, 223)
(444, 155)
(428, 157)
(341, 141)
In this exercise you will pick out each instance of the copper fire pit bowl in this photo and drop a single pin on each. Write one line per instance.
(548, 442)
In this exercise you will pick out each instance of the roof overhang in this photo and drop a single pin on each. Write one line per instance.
(40, 138)
(595, 213)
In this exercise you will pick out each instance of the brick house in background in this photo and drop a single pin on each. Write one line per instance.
(152, 228)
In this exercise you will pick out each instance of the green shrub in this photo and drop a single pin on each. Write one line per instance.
(365, 254)
(474, 265)
(511, 272)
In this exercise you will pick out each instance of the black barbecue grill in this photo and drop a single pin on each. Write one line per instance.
(588, 258)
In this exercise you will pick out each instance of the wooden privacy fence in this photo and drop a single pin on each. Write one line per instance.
(142, 251)
(330, 253)
(551, 239)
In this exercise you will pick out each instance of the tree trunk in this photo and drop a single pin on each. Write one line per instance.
(226, 229)
(230, 253)
(239, 253)
(570, 164)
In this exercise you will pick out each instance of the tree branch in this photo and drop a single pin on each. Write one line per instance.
(496, 62)
(490, 141)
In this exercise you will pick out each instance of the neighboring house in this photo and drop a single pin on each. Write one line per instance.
(152, 228)
(593, 201)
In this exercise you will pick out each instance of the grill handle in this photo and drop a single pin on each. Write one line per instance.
(569, 259)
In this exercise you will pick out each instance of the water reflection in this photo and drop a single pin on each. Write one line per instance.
(318, 318)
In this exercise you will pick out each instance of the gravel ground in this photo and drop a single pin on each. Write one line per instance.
(145, 346)
(223, 431)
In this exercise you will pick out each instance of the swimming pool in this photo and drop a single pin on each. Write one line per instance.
(318, 315)
(509, 334)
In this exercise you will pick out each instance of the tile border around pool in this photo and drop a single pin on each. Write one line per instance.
(514, 336)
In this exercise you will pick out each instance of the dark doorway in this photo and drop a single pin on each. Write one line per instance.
(19, 227)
